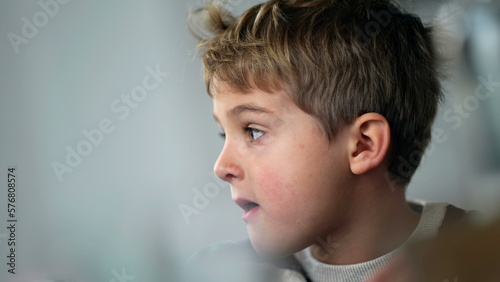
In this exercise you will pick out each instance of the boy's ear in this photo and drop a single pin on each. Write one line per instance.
(369, 142)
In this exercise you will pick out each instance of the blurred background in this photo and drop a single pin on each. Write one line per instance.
(104, 116)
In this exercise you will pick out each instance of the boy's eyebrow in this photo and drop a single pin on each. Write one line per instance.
(244, 108)
(248, 107)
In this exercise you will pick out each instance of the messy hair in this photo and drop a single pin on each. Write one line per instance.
(339, 59)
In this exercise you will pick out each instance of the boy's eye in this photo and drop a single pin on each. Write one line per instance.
(254, 133)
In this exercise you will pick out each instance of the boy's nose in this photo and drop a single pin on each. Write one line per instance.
(226, 166)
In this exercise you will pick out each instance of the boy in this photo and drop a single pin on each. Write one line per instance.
(326, 107)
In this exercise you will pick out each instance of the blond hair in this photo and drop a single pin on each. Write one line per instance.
(339, 58)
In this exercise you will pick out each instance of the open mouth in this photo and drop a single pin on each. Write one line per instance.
(245, 204)
(249, 206)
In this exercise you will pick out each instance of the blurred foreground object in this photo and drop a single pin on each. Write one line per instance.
(469, 251)
(464, 253)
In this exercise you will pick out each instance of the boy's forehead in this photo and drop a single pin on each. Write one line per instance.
(227, 101)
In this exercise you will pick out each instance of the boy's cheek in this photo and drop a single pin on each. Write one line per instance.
(269, 184)
(275, 186)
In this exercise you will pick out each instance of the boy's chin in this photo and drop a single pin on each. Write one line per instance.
(272, 250)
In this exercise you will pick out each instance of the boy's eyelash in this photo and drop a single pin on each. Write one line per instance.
(223, 135)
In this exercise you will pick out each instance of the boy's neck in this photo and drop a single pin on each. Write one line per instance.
(379, 222)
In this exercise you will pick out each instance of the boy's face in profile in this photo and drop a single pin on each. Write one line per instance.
(292, 183)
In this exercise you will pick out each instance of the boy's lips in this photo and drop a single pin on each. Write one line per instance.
(248, 206)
